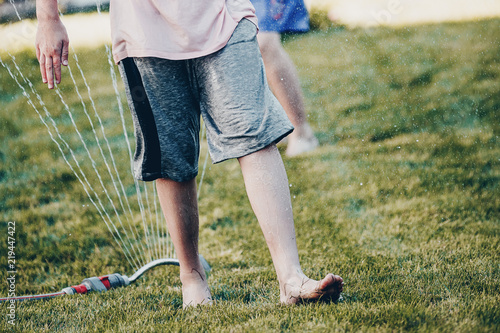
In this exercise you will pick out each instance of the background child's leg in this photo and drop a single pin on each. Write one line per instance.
(284, 82)
(267, 188)
(179, 204)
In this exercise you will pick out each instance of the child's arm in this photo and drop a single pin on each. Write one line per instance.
(51, 42)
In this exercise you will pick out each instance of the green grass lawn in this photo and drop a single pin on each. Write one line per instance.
(401, 199)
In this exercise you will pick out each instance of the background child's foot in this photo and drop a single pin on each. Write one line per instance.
(301, 141)
(195, 290)
(305, 289)
(301, 145)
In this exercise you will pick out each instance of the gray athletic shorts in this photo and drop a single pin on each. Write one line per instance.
(228, 88)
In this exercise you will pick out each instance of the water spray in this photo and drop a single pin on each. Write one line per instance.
(105, 282)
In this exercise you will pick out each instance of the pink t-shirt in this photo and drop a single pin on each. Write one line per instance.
(174, 29)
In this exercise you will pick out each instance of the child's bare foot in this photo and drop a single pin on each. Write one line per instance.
(304, 289)
(195, 289)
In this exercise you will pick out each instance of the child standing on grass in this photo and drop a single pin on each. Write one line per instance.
(179, 60)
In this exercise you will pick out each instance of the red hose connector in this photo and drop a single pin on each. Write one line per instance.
(100, 284)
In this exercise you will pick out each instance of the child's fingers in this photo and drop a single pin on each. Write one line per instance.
(56, 67)
(65, 53)
(61, 58)
(41, 61)
(49, 72)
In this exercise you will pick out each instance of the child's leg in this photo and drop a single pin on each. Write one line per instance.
(267, 187)
(167, 125)
(179, 204)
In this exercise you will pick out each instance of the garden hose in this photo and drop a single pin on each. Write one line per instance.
(103, 283)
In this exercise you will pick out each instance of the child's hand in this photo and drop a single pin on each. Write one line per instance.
(51, 50)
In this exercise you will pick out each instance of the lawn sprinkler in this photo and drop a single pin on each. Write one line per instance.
(105, 282)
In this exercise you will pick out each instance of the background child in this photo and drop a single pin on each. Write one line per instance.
(277, 17)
